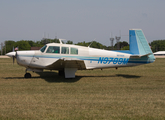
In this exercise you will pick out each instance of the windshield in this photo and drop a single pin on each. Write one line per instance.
(43, 48)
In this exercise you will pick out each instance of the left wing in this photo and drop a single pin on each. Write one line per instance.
(67, 63)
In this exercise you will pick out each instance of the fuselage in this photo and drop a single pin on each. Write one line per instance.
(93, 58)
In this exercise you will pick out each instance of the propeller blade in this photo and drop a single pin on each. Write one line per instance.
(13, 60)
(16, 55)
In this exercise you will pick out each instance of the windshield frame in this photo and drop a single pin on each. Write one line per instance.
(43, 48)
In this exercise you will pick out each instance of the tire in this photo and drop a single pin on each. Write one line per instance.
(61, 73)
(27, 75)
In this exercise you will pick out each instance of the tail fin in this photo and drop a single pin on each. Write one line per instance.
(138, 43)
(139, 46)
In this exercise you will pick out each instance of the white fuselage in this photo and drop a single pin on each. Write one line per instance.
(93, 58)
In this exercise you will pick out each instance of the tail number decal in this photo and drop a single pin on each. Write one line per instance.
(108, 60)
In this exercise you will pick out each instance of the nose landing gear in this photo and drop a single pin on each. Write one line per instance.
(27, 75)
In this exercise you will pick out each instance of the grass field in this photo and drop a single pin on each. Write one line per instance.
(127, 93)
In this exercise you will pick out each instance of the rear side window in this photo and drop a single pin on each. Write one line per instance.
(74, 51)
(65, 50)
(53, 49)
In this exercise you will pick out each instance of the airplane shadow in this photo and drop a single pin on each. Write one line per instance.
(127, 76)
(54, 77)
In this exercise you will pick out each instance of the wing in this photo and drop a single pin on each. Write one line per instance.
(67, 63)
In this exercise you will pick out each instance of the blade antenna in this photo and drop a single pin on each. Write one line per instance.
(61, 40)
(91, 43)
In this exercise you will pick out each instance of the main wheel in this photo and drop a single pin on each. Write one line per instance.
(61, 72)
(27, 75)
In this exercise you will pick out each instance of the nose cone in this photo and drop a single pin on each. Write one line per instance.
(11, 54)
(24, 57)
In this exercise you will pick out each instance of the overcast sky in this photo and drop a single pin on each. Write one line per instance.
(80, 20)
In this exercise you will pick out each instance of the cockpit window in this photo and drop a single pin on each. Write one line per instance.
(65, 50)
(43, 48)
(53, 49)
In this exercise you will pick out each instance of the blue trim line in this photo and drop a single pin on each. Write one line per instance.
(144, 61)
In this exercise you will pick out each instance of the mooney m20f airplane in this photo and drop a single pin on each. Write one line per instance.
(67, 59)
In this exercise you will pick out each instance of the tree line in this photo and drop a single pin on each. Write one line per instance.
(156, 45)
(27, 44)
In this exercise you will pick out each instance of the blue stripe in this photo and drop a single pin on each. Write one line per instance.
(143, 61)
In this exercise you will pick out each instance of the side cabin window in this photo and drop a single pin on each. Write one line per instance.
(65, 50)
(74, 51)
(43, 48)
(53, 49)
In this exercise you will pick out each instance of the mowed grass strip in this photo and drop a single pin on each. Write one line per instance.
(126, 93)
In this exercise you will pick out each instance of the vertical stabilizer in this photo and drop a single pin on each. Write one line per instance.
(138, 43)
(139, 46)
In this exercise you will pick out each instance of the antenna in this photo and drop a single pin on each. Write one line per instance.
(118, 39)
(48, 35)
(61, 40)
(111, 40)
(91, 43)
(44, 34)
(55, 35)
(118, 43)
(1, 48)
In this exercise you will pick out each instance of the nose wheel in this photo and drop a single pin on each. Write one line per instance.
(27, 75)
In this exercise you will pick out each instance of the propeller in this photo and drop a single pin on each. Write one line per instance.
(13, 59)
(13, 55)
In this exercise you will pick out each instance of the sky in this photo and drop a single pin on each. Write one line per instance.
(81, 20)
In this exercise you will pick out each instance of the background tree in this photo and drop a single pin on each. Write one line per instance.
(122, 44)
(92, 44)
(23, 45)
(9, 45)
(69, 42)
(158, 45)
(125, 48)
(46, 41)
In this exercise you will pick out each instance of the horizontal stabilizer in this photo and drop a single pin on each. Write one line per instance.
(139, 56)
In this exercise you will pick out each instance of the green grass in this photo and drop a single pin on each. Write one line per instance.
(127, 93)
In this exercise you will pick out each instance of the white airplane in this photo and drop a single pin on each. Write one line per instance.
(67, 59)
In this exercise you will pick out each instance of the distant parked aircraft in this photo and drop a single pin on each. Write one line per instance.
(67, 59)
